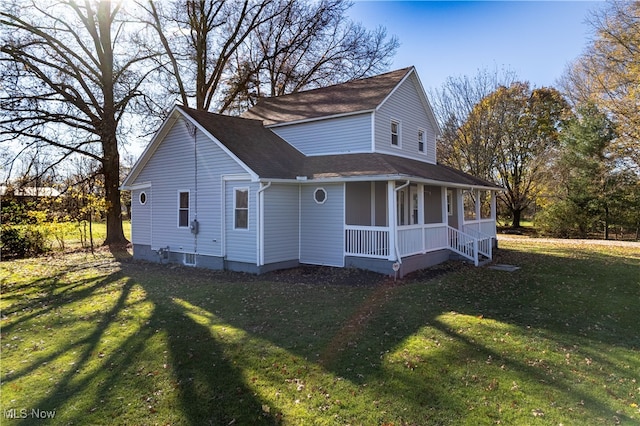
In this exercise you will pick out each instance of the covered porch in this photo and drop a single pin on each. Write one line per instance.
(404, 221)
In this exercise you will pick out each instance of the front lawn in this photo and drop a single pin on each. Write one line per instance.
(90, 340)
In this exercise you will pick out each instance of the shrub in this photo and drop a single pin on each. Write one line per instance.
(17, 242)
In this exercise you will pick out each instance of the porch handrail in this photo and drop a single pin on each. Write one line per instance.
(464, 244)
(485, 241)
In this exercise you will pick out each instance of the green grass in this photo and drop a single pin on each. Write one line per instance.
(103, 342)
(63, 236)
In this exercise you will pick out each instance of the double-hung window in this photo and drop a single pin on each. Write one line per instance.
(183, 209)
(241, 208)
(421, 140)
(395, 133)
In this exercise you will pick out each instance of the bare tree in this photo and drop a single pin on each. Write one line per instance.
(71, 72)
(468, 141)
(306, 45)
(222, 55)
(198, 39)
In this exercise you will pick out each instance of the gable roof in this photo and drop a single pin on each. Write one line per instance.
(354, 96)
(264, 152)
(268, 156)
(272, 157)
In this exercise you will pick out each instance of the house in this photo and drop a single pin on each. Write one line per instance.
(344, 176)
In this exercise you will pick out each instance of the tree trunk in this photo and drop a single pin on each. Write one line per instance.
(606, 222)
(111, 171)
(516, 218)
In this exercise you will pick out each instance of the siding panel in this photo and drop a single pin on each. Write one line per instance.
(405, 106)
(322, 226)
(281, 226)
(174, 168)
(240, 243)
(337, 135)
(141, 217)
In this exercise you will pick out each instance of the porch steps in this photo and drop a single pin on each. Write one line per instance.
(482, 260)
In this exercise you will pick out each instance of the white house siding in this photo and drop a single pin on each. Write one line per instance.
(333, 136)
(141, 217)
(322, 226)
(406, 107)
(281, 223)
(173, 168)
(241, 244)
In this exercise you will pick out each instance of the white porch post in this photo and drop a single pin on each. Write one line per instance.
(494, 212)
(391, 214)
(460, 208)
(476, 196)
(421, 207)
(443, 196)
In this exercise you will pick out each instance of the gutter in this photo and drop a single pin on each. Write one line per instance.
(260, 233)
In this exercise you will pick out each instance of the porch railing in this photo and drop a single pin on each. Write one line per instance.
(485, 242)
(463, 244)
(374, 241)
(367, 241)
(417, 239)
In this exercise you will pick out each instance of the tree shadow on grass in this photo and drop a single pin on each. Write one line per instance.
(347, 331)
(331, 324)
(114, 375)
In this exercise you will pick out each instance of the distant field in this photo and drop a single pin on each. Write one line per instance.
(87, 339)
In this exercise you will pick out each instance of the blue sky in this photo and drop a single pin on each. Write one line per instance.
(536, 39)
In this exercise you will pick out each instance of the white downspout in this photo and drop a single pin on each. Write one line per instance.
(395, 225)
(260, 233)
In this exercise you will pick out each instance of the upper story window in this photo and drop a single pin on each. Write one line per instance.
(183, 209)
(395, 133)
(420, 140)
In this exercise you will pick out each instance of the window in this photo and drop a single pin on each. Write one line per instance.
(183, 209)
(320, 195)
(189, 259)
(143, 198)
(421, 140)
(395, 133)
(241, 203)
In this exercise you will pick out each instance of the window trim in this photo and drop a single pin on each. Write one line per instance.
(236, 208)
(188, 208)
(326, 195)
(423, 141)
(398, 133)
(140, 196)
(187, 258)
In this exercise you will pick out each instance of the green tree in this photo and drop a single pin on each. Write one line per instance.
(528, 131)
(591, 184)
(608, 74)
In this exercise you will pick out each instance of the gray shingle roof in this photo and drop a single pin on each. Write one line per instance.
(353, 96)
(262, 150)
(271, 157)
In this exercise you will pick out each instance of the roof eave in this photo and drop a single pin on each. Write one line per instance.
(379, 178)
(324, 117)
